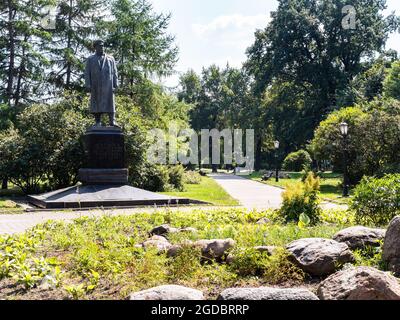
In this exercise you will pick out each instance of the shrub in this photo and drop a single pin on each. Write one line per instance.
(43, 146)
(297, 161)
(176, 177)
(302, 198)
(248, 262)
(377, 201)
(192, 177)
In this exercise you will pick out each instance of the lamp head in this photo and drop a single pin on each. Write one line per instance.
(344, 129)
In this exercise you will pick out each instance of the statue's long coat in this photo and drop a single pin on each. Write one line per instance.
(101, 80)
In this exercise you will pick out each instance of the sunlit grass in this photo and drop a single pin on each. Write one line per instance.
(208, 190)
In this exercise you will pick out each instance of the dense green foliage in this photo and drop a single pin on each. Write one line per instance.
(377, 201)
(44, 146)
(297, 161)
(392, 82)
(373, 145)
(302, 199)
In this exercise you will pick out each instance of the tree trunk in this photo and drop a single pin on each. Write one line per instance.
(11, 45)
(68, 72)
(21, 71)
(4, 184)
(257, 164)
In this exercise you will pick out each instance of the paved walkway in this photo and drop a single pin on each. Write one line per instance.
(256, 195)
(251, 194)
(17, 223)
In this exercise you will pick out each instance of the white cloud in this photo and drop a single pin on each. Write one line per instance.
(231, 22)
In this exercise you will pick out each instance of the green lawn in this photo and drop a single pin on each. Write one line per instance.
(331, 188)
(208, 190)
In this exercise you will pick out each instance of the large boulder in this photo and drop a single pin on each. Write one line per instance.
(215, 249)
(360, 237)
(361, 283)
(158, 242)
(319, 257)
(391, 246)
(265, 293)
(169, 292)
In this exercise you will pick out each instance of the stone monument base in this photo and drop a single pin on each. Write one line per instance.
(103, 176)
(104, 196)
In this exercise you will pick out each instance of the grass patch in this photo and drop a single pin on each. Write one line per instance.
(330, 188)
(8, 206)
(208, 190)
(97, 258)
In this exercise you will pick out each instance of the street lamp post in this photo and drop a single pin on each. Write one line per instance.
(344, 130)
(276, 144)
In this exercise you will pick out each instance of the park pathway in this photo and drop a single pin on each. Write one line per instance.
(256, 195)
(251, 194)
(18, 223)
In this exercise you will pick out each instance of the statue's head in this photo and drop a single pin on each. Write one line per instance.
(98, 45)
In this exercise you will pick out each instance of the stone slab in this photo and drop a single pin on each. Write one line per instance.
(106, 196)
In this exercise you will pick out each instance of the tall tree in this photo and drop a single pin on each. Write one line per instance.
(306, 44)
(75, 28)
(138, 38)
(22, 61)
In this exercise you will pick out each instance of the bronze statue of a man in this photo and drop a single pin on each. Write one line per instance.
(101, 80)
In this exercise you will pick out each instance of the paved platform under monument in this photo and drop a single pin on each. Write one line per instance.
(107, 196)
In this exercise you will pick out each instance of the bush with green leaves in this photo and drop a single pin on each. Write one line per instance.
(302, 200)
(391, 85)
(192, 177)
(373, 145)
(377, 200)
(44, 146)
(297, 161)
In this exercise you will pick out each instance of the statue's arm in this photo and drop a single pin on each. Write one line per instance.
(88, 80)
(115, 75)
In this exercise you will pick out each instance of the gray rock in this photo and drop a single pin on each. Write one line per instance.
(270, 250)
(169, 292)
(215, 248)
(360, 237)
(263, 221)
(319, 257)
(163, 230)
(265, 293)
(173, 251)
(160, 243)
(188, 229)
(361, 283)
(391, 246)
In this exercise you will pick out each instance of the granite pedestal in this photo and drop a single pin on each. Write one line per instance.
(105, 157)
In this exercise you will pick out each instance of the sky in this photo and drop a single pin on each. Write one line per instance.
(219, 31)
